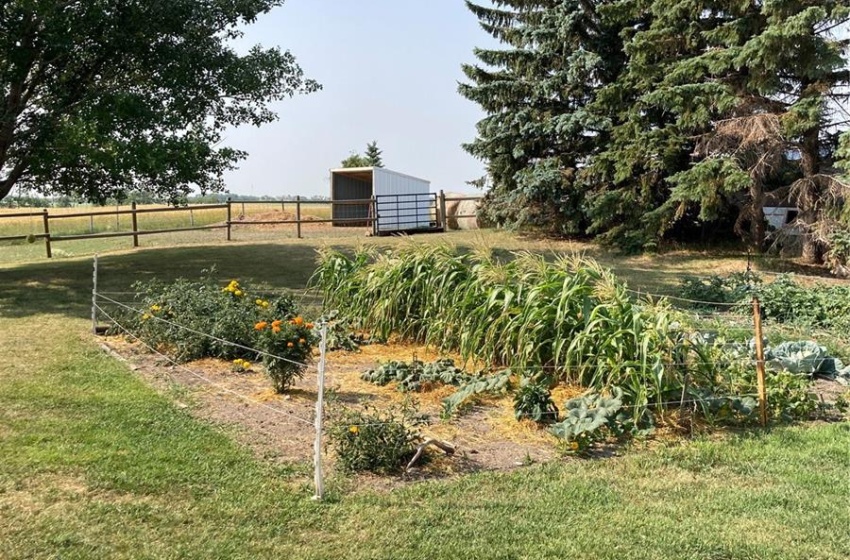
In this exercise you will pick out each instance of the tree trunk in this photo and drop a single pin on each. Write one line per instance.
(757, 226)
(809, 195)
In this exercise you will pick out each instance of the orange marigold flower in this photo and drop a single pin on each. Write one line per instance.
(309, 325)
(301, 341)
(290, 344)
(261, 325)
(298, 321)
(275, 329)
(277, 323)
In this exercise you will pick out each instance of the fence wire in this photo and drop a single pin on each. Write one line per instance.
(197, 332)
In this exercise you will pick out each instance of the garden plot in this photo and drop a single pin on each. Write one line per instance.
(280, 426)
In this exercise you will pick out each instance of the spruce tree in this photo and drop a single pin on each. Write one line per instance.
(373, 155)
(536, 92)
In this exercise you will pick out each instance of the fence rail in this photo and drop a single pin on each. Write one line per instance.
(228, 224)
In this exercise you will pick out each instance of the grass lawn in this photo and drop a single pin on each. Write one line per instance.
(95, 464)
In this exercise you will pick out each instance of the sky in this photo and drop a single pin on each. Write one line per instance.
(389, 71)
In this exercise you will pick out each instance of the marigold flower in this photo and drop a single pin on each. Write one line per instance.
(290, 345)
(301, 341)
(574, 445)
(275, 329)
(309, 325)
(265, 304)
(145, 317)
(354, 430)
(277, 323)
(261, 325)
(155, 308)
(298, 321)
(258, 301)
(238, 293)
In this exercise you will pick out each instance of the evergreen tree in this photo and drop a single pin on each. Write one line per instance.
(373, 155)
(536, 92)
(626, 118)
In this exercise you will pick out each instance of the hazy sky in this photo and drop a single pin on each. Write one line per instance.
(390, 70)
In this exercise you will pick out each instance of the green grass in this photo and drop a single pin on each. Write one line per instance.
(95, 464)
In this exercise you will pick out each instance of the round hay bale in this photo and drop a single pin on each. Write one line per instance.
(451, 210)
(467, 208)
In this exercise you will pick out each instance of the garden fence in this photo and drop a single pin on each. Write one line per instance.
(105, 303)
(235, 213)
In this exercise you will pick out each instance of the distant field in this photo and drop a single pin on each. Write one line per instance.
(108, 221)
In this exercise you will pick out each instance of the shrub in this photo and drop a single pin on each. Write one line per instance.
(199, 319)
(372, 440)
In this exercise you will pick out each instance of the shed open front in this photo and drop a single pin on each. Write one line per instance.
(389, 201)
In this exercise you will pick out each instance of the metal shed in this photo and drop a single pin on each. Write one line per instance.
(397, 202)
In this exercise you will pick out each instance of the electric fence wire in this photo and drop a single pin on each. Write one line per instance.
(197, 332)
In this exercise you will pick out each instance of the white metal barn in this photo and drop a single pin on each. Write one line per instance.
(401, 203)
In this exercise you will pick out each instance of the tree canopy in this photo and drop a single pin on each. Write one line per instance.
(372, 157)
(636, 119)
(103, 96)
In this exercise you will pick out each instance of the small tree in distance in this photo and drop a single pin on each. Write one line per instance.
(372, 157)
(373, 154)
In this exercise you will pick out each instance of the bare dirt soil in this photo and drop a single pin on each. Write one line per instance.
(281, 427)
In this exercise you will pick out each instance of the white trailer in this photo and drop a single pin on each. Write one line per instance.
(393, 202)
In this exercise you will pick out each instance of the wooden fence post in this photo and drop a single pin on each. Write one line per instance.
(760, 363)
(444, 222)
(191, 217)
(46, 219)
(135, 224)
(298, 215)
(229, 203)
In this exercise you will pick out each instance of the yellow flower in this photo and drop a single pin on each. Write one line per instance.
(354, 430)
(265, 304)
(574, 445)
(258, 301)
(155, 308)
(238, 293)
(145, 317)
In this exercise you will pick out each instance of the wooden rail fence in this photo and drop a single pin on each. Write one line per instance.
(228, 225)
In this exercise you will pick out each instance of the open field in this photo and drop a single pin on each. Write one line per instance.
(98, 464)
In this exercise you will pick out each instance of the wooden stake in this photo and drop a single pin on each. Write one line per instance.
(135, 221)
(760, 363)
(46, 218)
(298, 216)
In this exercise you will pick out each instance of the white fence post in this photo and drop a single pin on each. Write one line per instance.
(94, 297)
(320, 402)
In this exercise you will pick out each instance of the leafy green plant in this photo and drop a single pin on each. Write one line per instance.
(286, 347)
(342, 334)
(416, 375)
(734, 288)
(586, 417)
(493, 384)
(534, 402)
(199, 319)
(378, 441)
